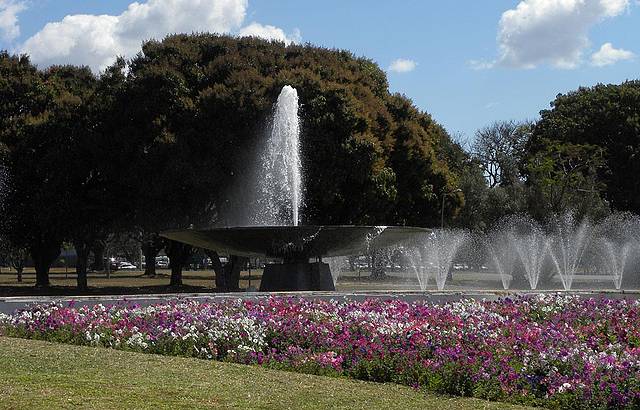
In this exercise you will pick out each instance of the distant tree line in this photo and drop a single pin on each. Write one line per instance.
(155, 142)
(582, 154)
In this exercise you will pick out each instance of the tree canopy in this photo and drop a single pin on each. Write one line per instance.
(156, 142)
(600, 128)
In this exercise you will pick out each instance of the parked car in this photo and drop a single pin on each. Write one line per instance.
(162, 261)
(126, 266)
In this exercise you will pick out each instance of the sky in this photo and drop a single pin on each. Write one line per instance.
(467, 63)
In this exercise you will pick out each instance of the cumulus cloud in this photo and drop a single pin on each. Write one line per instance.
(9, 10)
(402, 65)
(608, 55)
(551, 31)
(269, 32)
(95, 40)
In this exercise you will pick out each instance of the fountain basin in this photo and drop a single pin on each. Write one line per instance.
(295, 245)
(296, 242)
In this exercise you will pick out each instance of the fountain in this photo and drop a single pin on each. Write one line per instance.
(432, 255)
(503, 255)
(532, 248)
(568, 244)
(276, 233)
(614, 259)
(311, 257)
(617, 237)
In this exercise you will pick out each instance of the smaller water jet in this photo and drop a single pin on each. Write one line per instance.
(503, 255)
(532, 250)
(614, 259)
(532, 245)
(616, 244)
(435, 253)
(568, 244)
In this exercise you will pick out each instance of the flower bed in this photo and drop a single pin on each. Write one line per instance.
(556, 351)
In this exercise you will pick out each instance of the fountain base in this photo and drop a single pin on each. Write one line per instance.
(296, 276)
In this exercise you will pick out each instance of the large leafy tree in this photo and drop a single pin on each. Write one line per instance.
(85, 191)
(369, 156)
(34, 210)
(604, 121)
(61, 187)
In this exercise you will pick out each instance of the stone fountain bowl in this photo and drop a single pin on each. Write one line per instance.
(297, 242)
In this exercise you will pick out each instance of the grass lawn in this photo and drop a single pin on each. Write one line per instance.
(120, 282)
(35, 374)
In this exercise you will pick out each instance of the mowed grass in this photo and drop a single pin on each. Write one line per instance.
(41, 375)
(135, 282)
(119, 282)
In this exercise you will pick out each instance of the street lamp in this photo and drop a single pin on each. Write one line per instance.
(444, 194)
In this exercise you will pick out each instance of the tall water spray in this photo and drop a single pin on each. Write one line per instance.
(280, 178)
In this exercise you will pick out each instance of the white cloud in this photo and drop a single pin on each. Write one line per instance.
(402, 65)
(551, 31)
(95, 40)
(269, 32)
(608, 55)
(9, 10)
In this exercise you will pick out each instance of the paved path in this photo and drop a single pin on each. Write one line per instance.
(10, 304)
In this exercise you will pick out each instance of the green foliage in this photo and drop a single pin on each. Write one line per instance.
(369, 157)
(565, 176)
(603, 121)
(499, 150)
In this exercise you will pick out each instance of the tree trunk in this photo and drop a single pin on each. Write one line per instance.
(150, 248)
(227, 276)
(82, 253)
(17, 262)
(232, 272)
(377, 265)
(179, 253)
(44, 254)
(352, 263)
(98, 249)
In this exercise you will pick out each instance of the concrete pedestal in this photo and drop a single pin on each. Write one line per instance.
(295, 276)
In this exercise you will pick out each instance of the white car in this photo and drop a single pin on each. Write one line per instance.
(126, 266)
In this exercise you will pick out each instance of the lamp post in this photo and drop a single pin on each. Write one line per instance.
(444, 194)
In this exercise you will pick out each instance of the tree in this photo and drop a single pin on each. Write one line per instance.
(364, 150)
(564, 176)
(34, 209)
(16, 257)
(86, 191)
(606, 117)
(499, 149)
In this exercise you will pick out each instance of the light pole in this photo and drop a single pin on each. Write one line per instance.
(444, 194)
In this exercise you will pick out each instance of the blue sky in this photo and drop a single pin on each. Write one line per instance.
(468, 62)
